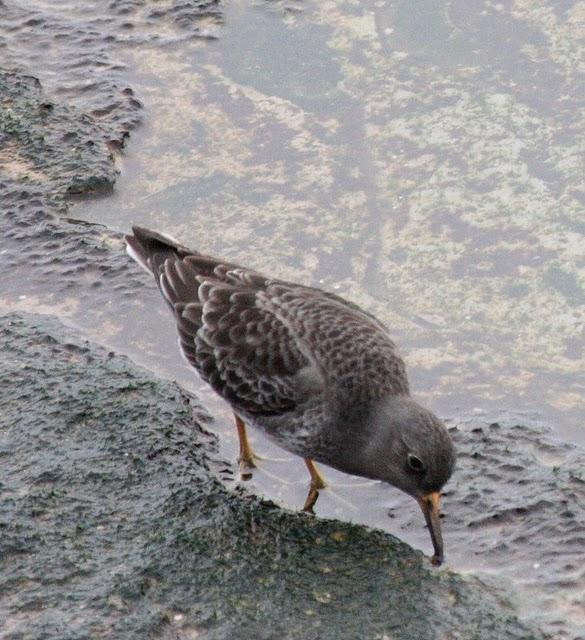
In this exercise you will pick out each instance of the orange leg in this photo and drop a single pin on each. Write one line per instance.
(317, 482)
(246, 457)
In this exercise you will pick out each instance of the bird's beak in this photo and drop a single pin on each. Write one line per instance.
(430, 507)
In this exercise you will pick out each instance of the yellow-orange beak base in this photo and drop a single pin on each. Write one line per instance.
(430, 508)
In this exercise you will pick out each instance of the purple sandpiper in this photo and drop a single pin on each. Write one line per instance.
(317, 374)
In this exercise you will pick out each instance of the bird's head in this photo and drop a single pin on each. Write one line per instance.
(410, 448)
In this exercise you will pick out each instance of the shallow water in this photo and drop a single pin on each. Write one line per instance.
(437, 185)
(425, 163)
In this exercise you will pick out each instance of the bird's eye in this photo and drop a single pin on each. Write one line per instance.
(416, 464)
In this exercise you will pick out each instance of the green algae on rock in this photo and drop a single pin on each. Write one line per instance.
(115, 524)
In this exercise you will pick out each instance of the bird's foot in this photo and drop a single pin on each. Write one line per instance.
(312, 497)
(247, 463)
(317, 483)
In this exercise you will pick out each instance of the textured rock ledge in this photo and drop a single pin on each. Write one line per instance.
(114, 524)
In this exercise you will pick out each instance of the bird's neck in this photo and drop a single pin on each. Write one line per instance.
(348, 438)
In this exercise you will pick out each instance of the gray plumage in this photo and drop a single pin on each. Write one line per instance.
(316, 373)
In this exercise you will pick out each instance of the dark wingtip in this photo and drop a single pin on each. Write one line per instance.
(146, 246)
(142, 233)
(137, 251)
(151, 241)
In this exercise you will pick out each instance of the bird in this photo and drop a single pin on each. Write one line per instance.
(318, 375)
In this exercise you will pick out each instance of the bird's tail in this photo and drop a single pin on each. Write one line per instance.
(150, 248)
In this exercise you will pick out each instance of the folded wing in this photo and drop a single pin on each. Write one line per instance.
(243, 350)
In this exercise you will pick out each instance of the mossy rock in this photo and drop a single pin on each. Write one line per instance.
(115, 523)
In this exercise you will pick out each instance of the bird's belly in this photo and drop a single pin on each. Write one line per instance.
(296, 436)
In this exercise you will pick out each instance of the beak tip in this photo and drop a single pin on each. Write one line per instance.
(437, 560)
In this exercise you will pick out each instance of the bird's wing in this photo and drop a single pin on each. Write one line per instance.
(353, 349)
(267, 345)
(239, 346)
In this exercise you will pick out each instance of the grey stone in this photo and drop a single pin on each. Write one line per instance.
(114, 523)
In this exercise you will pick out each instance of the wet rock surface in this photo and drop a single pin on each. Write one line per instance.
(517, 505)
(115, 524)
(77, 48)
(47, 144)
(50, 153)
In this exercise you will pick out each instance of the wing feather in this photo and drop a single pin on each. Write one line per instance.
(268, 346)
(245, 352)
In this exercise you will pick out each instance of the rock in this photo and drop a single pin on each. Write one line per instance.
(114, 523)
(50, 146)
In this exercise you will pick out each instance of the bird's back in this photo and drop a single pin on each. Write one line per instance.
(268, 346)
